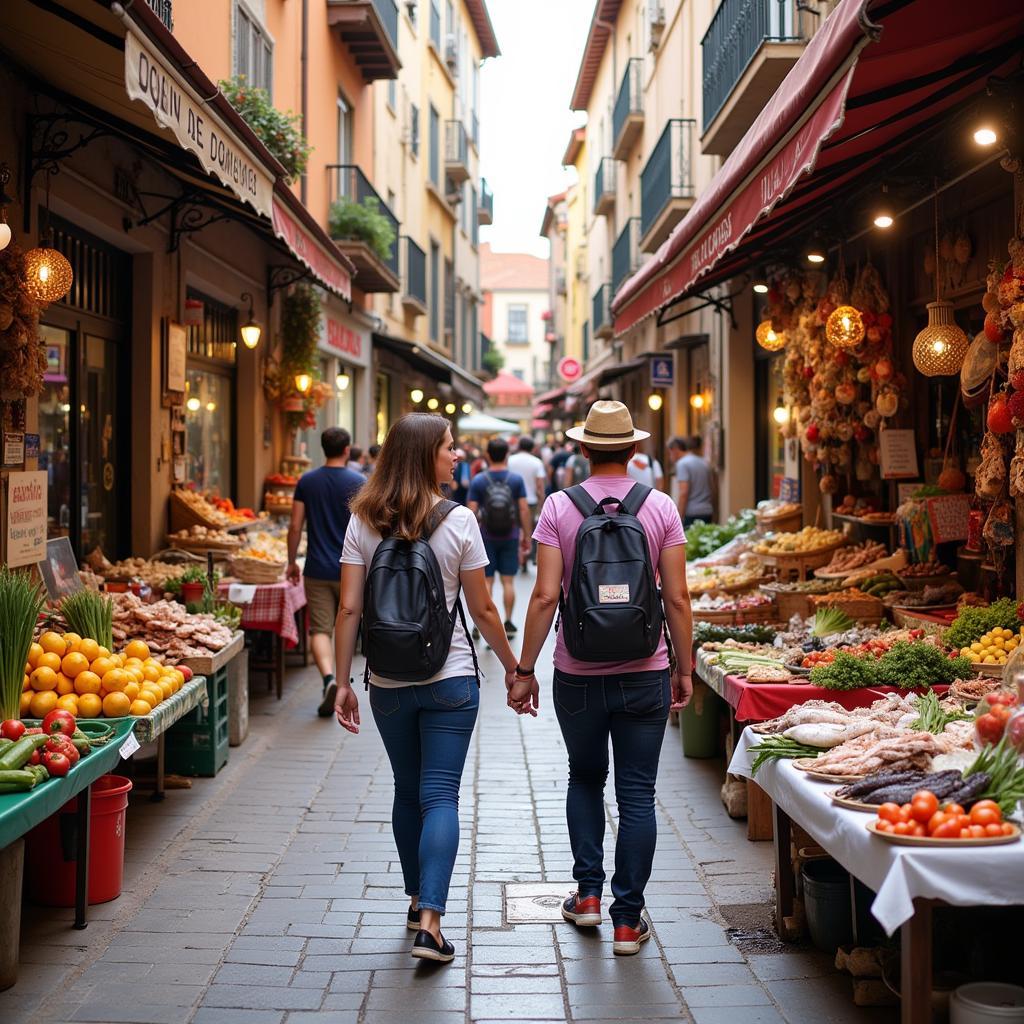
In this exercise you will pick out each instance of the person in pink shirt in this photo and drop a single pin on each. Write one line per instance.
(627, 699)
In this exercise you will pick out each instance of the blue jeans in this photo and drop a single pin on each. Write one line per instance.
(632, 708)
(426, 731)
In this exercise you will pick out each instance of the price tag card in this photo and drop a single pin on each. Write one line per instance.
(948, 516)
(130, 745)
(897, 450)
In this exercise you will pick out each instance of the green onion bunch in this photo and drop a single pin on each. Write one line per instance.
(21, 601)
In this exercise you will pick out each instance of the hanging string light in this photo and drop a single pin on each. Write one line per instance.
(940, 348)
(768, 338)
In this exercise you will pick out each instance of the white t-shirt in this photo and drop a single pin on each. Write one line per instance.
(457, 545)
(644, 469)
(531, 469)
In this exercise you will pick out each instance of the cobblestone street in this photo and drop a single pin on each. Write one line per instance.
(273, 893)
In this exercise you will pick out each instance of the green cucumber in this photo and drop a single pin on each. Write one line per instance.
(5, 744)
(18, 779)
(16, 756)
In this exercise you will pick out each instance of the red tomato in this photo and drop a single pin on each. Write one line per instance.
(947, 830)
(889, 812)
(936, 820)
(905, 812)
(993, 830)
(924, 805)
(918, 830)
(1007, 829)
(59, 743)
(12, 729)
(988, 804)
(56, 764)
(36, 757)
(1000, 712)
(965, 833)
(984, 815)
(977, 831)
(989, 728)
(1000, 697)
(883, 826)
(902, 828)
(34, 731)
(953, 809)
(60, 721)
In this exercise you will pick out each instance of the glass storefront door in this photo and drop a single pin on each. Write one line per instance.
(102, 512)
(55, 429)
(209, 417)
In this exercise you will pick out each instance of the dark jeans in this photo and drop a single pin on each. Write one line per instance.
(426, 731)
(688, 521)
(632, 709)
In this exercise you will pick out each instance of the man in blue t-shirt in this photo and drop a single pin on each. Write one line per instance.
(498, 497)
(321, 502)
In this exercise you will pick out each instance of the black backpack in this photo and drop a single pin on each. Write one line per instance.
(612, 611)
(499, 511)
(407, 625)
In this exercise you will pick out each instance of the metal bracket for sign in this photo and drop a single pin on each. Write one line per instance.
(190, 211)
(57, 141)
(723, 306)
(279, 277)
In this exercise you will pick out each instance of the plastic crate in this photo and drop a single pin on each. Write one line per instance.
(198, 743)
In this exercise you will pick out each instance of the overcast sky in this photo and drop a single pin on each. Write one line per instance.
(525, 121)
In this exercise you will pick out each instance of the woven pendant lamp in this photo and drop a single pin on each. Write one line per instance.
(768, 338)
(940, 348)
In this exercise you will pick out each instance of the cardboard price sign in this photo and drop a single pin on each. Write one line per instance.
(26, 517)
(897, 451)
(948, 517)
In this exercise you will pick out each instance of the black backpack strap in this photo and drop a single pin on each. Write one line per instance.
(581, 498)
(465, 629)
(631, 503)
(438, 514)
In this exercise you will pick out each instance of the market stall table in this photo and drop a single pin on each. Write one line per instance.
(908, 880)
(273, 608)
(21, 812)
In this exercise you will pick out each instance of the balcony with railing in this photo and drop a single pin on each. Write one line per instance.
(414, 276)
(369, 28)
(352, 231)
(628, 113)
(747, 51)
(162, 9)
(474, 129)
(485, 207)
(456, 152)
(601, 312)
(667, 186)
(605, 182)
(626, 253)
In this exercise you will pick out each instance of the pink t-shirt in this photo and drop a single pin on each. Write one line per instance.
(559, 522)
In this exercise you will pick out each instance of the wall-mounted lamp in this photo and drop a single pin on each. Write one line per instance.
(883, 217)
(450, 408)
(342, 381)
(211, 406)
(250, 330)
(780, 413)
(416, 396)
(193, 404)
(432, 404)
(655, 402)
(698, 401)
(303, 382)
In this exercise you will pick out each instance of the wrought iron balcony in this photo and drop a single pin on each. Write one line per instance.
(485, 208)
(747, 50)
(601, 313)
(346, 182)
(626, 253)
(628, 114)
(605, 182)
(369, 28)
(456, 151)
(414, 277)
(667, 183)
(162, 9)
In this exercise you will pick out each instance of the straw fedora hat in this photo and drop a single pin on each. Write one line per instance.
(609, 426)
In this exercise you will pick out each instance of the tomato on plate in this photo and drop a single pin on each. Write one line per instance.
(953, 809)
(918, 829)
(985, 815)
(889, 812)
(883, 826)
(993, 830)
(977, 831)
(990, 804)
(936, 820)
(1007, 829)
(902, 828)
(924, 805)
(947, 830)
(905, 812)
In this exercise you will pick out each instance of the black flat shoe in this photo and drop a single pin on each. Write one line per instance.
(426, 947)
(412, 920)
(326, 708)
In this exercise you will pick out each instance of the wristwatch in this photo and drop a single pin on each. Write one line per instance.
(523, 673)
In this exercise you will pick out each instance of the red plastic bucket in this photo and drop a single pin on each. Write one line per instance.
(51, 845)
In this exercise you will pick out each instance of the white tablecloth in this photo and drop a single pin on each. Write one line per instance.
(898, 874)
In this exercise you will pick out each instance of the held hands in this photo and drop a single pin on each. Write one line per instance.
(523, 693)
(682, 689)
(346, 708)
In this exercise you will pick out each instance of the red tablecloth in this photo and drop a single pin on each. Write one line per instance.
(273, 608)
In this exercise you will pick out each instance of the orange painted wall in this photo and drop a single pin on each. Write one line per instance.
(204, 29)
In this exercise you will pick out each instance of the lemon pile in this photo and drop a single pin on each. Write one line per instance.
(803, 542)
(994, 647)
(79, 675)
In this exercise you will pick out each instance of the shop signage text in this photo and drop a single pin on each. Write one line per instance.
(569, 369)
(149, 80)
(299, 240)
(26, 517)
(338, 337)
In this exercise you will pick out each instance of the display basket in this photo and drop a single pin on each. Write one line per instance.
(789, 522)
(867, 609)
(203, 544)
(788, 602)
(255, 570)
(184, 515)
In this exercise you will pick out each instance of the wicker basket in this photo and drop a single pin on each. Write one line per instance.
(201, 544)
(255, 570)
(791, 522)
(762, 613)
(183, 515)
(788, 602)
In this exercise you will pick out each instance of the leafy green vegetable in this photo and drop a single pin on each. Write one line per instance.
(21, 600)
(774, 747)
(931, 717)
(973, 623)
(847, 672)
(703, 538)
(708, 632)
(912, 666)
(830, 620)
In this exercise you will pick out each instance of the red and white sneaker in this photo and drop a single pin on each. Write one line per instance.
(584, 913)
(628, 940)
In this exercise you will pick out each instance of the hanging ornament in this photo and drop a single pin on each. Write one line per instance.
(845, 327)
(768, 338)
(48, 275)
(940, 348)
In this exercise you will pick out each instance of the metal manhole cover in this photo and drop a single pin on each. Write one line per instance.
(535, 902)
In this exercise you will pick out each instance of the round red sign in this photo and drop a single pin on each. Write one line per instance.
(569, 368)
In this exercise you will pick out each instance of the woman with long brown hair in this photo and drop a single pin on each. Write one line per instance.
(426, 725)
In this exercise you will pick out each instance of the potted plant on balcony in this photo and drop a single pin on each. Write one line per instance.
(362, 222)
(492, 361)
(278, 131)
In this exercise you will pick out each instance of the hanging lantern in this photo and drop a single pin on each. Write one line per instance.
(768, 338)
(48, 275)
(845, 327)
(940, 349)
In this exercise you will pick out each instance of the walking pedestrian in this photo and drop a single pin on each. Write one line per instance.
(420, 551)
(646, 469)
(498, 497)
(371, 458)
(612, 666)
(356, 458)
(577, 469)
(557, 467)
(535, 477)
(696, 479)
(321, 503)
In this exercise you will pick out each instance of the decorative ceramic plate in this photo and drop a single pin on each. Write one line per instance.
(930, 841)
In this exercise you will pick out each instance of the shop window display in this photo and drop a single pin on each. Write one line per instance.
(208, 431)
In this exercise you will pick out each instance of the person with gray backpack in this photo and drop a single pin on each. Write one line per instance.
(409, 554)
(611, 561)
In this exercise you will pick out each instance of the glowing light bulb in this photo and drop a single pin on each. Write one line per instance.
(697, 401)
(655, 402)
(761, 288)
(303, 382)
(467, 407)
(342, 381)
(781, 415)
(44, 272)
(432, 404)
(211, 406)
(193, 404)
(985, 136)
(883, 220)
(416, 396)
(450, 408)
